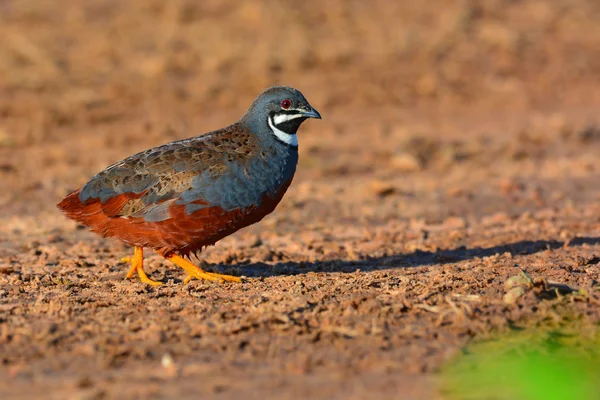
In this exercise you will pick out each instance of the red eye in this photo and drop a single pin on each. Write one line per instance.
(286, 103)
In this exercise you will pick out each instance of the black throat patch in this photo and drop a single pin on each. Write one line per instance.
(291, 126)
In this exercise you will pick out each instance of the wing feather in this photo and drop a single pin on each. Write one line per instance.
(147, 184)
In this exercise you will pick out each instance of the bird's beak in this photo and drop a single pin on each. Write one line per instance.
(310, 112)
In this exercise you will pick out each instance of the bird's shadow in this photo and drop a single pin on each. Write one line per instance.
(417, 258)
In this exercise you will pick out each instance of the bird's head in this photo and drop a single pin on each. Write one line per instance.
(281, 110)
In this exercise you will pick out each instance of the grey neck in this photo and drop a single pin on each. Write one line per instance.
(266, 128)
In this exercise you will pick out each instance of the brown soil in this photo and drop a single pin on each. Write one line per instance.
(459, 146)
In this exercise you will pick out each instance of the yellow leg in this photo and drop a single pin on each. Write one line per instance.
(197, 272)
(137, 264)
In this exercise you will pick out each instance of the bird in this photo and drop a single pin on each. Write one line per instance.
(185, 195)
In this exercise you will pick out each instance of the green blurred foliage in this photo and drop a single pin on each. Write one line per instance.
(528, 365)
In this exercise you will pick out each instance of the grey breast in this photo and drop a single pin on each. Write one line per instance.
(243, 184)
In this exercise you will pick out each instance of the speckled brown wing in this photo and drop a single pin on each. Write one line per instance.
(183, 195)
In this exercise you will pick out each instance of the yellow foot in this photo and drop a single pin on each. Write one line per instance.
(132, 269)
(211, 276)
(137, 265)
(198, 273)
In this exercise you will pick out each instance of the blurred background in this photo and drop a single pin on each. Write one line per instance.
(349, 55)
(80, 58)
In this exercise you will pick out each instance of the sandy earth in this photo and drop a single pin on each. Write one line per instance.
(459, 147)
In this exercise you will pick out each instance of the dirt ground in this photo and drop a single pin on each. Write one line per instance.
(458, 147)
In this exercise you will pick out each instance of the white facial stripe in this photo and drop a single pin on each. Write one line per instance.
(287, 138)
(280, 118)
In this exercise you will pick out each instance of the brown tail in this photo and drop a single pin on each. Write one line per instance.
(92, 213)
(103, 218)
(70, 203)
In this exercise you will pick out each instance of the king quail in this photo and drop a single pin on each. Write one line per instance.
(182, 196)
